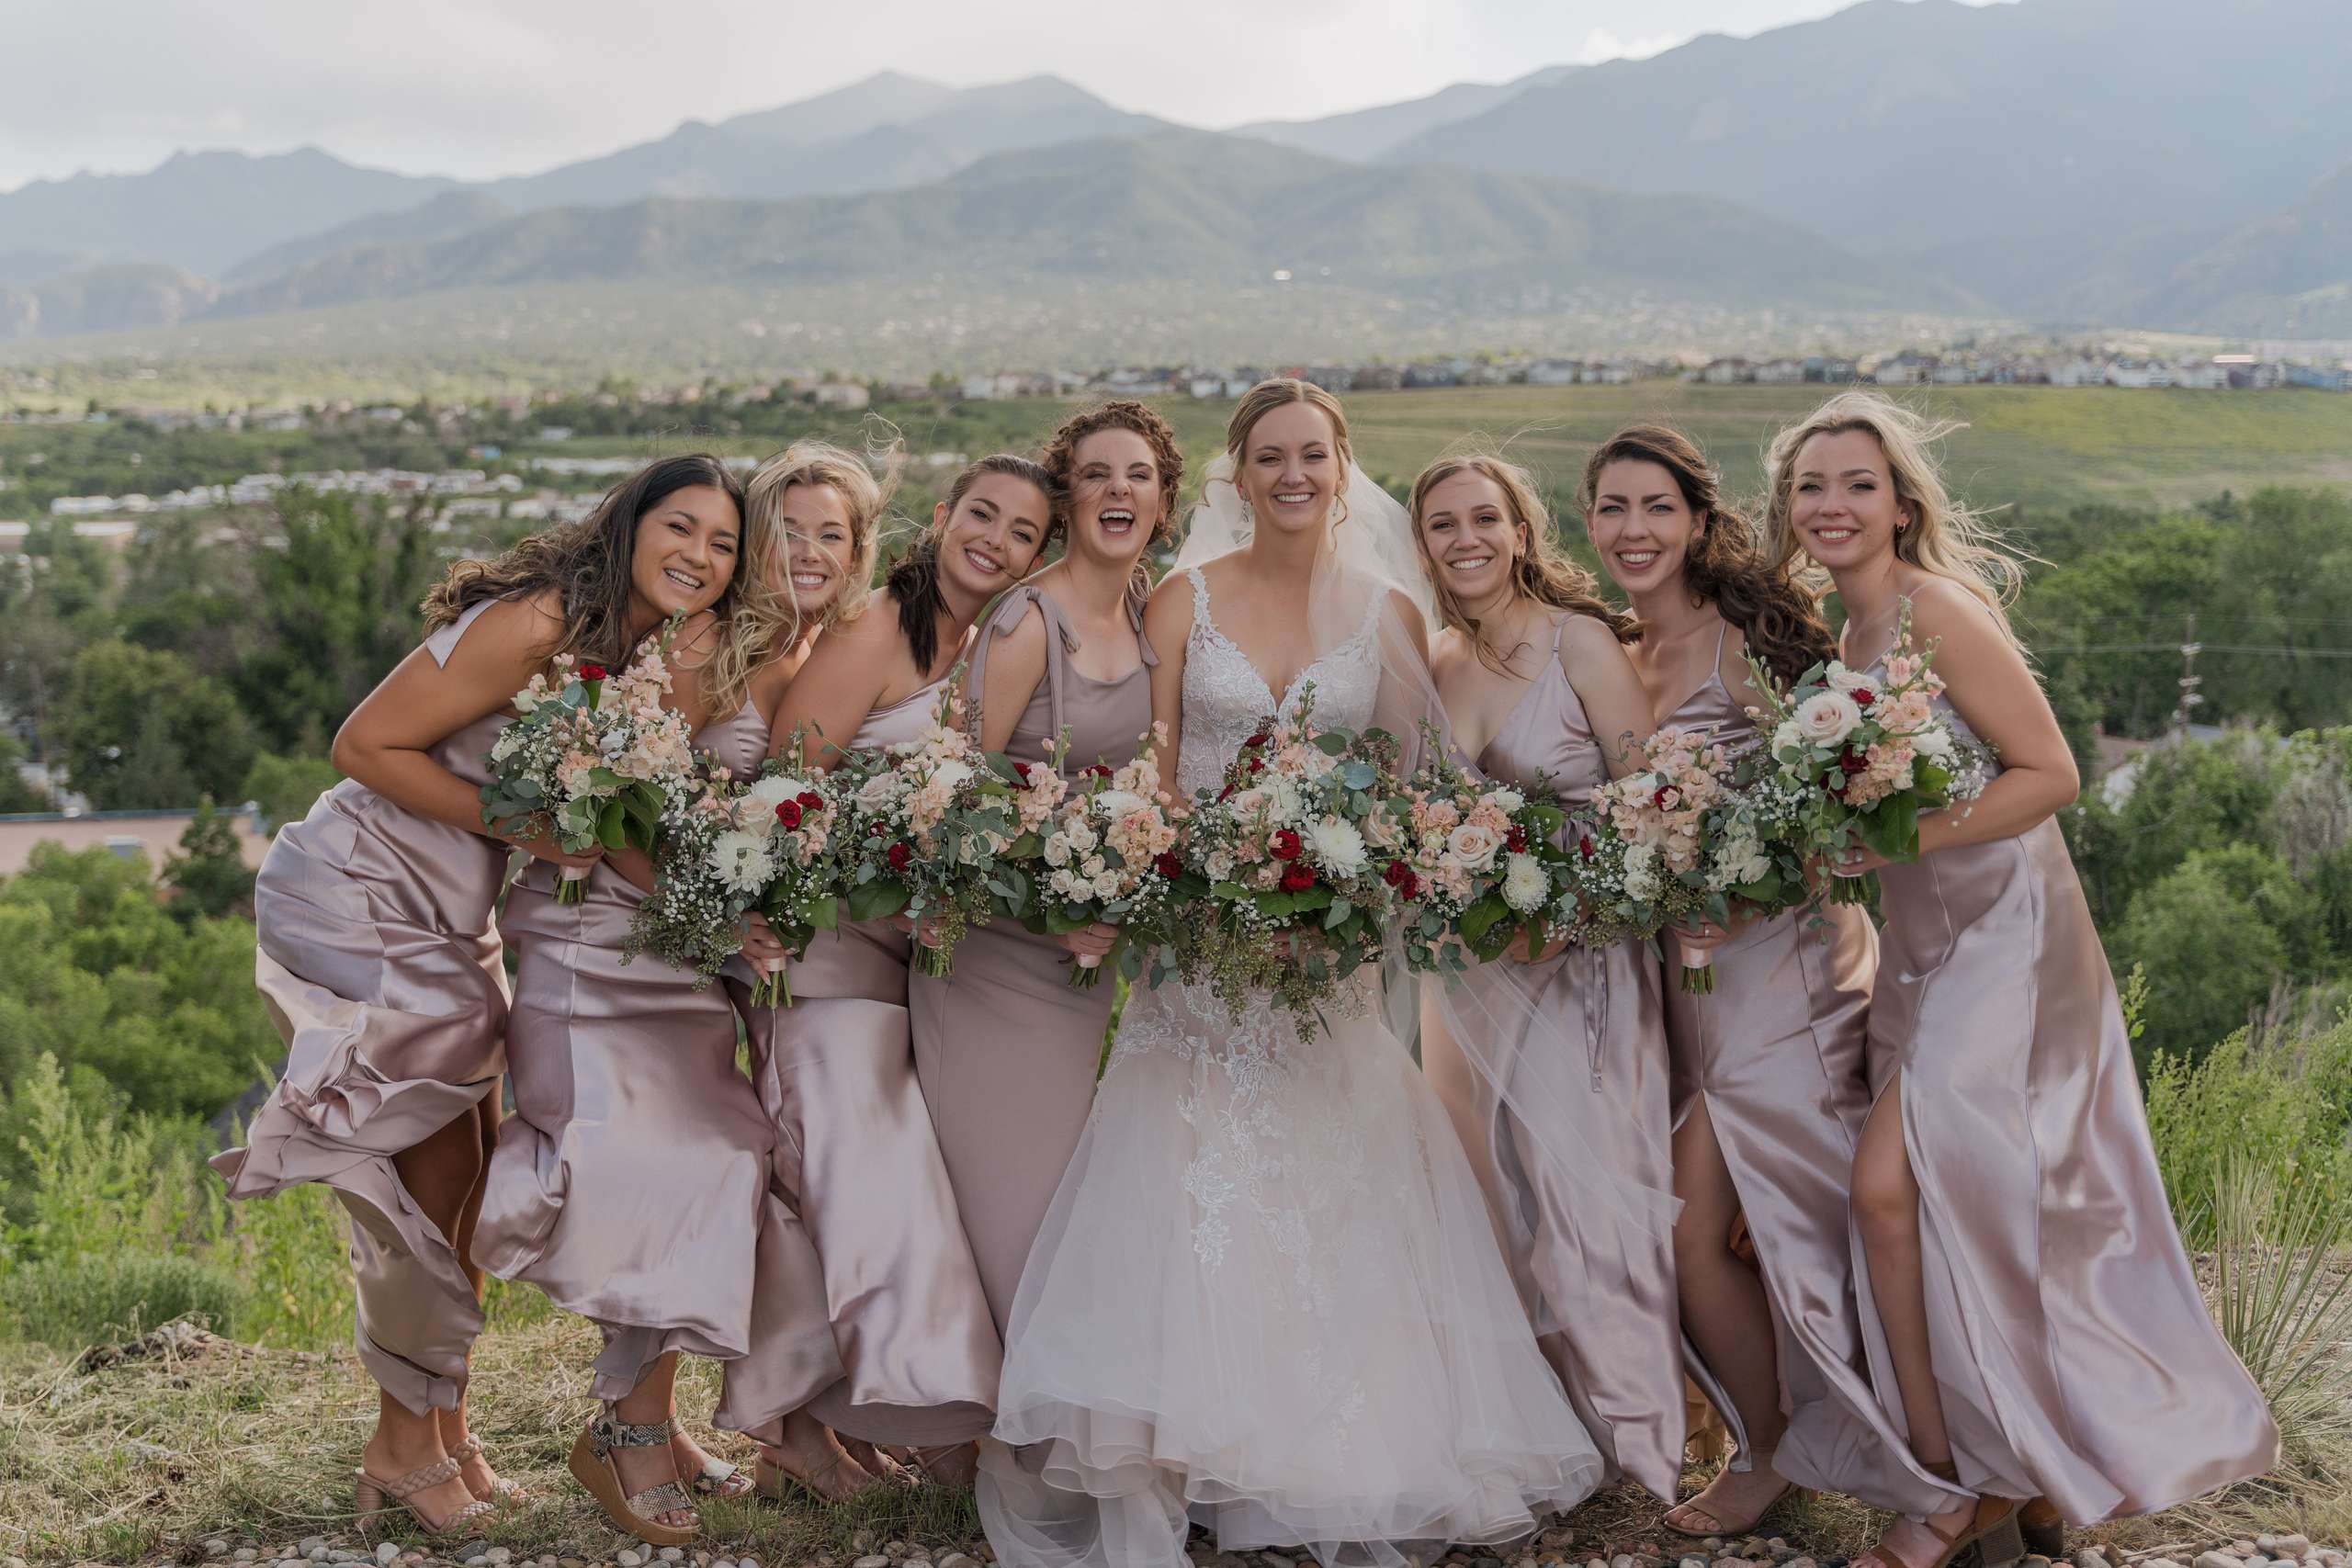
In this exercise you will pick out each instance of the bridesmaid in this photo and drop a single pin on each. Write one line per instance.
(1769, 1085)
(1532, 670)
(635, 1184)
(378, 959)
(907, 1310)
(1006, 1048)
(2030, 1318)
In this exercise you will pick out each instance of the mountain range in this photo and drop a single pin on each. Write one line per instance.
(2161, 163)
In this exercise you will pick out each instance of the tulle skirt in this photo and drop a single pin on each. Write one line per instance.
(1267, 1298)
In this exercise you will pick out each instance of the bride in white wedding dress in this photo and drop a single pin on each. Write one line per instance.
(1268, 1297)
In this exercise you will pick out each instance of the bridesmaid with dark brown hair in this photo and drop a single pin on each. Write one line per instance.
(1769, 1089)
(1006, 1047)
(904, 1294)
(378, 960)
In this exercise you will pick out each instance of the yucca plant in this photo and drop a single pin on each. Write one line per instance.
(2283, 1298)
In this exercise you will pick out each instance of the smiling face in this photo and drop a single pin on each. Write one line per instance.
(1641, 526)
(819, 547)
(685, 554)
(1471, 537)
(1842, 503)
(1290, 469)
(992, 536)
(1116, 496)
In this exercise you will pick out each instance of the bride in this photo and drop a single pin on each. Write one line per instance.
(1267, 1297)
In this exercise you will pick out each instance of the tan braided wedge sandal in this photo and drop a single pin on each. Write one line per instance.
(500, 1489)
(374, 1497)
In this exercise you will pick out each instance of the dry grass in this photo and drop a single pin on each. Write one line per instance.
(145, 1459)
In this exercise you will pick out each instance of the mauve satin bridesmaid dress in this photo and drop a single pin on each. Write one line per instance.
(836, 1075)
(2075, 1354)
(378, 959)
(1776, 1057)
(1603, 1290)
(635, 1182)
(1006, 1049)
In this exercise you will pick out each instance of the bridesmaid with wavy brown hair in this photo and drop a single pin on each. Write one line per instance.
(907, 1311)
(636, 1184)
(1769, 1089)
(1006, 1048)
(2030, 1318)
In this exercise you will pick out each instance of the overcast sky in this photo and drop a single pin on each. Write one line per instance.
(479, 88)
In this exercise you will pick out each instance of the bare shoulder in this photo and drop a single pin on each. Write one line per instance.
(1401, 605)
(1944, 611)
(871, 629)
(1169, 612)
(523, 630)
(1586, 639)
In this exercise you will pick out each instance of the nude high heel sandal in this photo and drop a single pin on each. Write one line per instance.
(374, 1497)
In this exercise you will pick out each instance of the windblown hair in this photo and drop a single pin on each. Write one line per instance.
(914, 581)
(1280, 391)
(1725, 567)
(587, 563)
(1122, 413)
(1540, 571)
(1944, 536)
(769, 612)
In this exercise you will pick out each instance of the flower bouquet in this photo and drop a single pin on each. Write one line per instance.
(1868, 755)
(1295, 857)
(1098, 851)
(1668, 807)
(1481, 865)
(929, 831)
(735, 848)
(590, 760)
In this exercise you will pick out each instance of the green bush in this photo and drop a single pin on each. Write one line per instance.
(2280, 1107)
(68, 1303)
(97, 1186)
(283, 787)
(294, 1249)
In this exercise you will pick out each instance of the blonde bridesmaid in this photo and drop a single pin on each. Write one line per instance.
(1532, 670)
(907, 1306)
(1769, 1089)
(2029, 1317)
(636, 1182)
(1005, 1047)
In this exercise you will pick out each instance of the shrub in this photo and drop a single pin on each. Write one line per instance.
(295, 1248)
(2284, 1302)
(68, 1303)
(2279, 1104)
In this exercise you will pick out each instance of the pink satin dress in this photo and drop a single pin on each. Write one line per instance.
(1006, 1049)
(1775, 1055)
(636, 1182)
(378, 959)
(836, 1073)
(1603, 1293)
(2075, 1354)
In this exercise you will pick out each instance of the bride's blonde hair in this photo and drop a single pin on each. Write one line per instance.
(1944, 536)
(1279, 392)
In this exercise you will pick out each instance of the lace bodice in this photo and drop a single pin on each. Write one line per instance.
(1225, 697)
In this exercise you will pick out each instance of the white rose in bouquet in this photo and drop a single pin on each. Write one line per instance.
(1827, 718)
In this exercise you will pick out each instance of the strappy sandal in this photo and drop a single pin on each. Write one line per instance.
(500, 1489)
(716, 1478)
(373, 1497)
(777, 1484)
(1997, 1537)
(2043, 1532)
(1721, 1526)
(930, 1462)
(592, 1464)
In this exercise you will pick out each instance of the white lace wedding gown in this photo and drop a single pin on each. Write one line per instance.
(1267, 1297)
